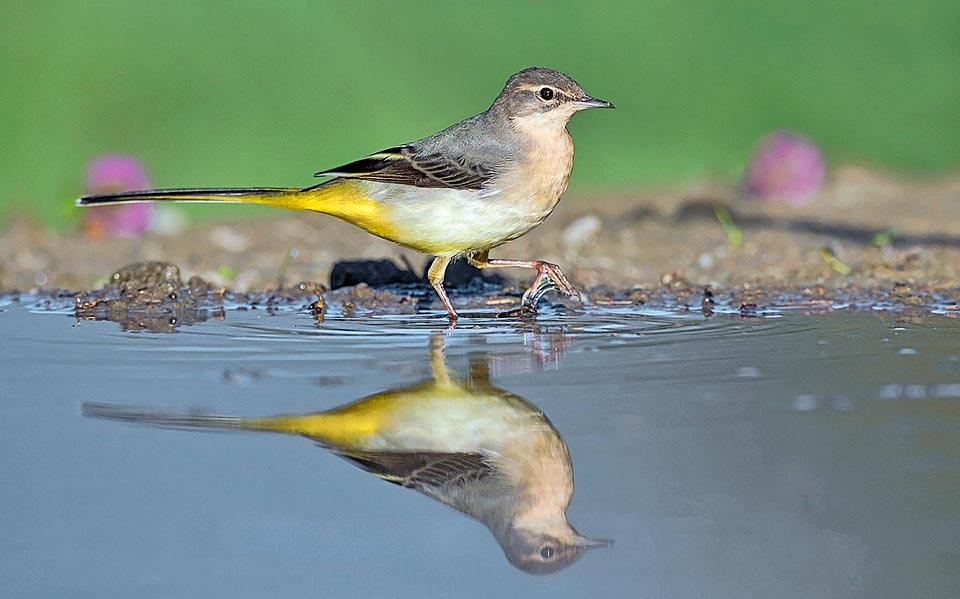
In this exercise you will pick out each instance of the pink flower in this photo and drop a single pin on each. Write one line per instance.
(110, 174)
(114, 173)
(787, 167)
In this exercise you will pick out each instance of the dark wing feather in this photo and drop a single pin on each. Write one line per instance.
(405, 166)
(423, 469)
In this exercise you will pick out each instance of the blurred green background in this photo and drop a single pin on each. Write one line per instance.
(251, 93)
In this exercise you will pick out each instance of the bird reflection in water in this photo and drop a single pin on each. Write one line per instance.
(460, 440)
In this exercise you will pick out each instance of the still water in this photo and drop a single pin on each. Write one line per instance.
(784, 456)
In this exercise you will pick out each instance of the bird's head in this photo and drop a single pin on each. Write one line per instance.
(543, 97)
(542, 552)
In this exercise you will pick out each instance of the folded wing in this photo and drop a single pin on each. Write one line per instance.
(405, 165)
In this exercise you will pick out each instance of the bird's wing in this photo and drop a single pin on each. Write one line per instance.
(405, 165)
(424, 470)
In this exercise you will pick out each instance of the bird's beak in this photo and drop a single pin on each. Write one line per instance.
(589, 543)
(588, 102)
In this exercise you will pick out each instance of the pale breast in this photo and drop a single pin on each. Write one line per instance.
(542, 171)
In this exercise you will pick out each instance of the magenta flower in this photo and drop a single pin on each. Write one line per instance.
(787, 167)
(115, 173)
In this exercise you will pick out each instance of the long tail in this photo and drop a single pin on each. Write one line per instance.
(347, 199)
(273, 196)
(141, 415)
(329, 429)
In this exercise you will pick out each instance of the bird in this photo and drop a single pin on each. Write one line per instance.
(458, 193)
(479, 449)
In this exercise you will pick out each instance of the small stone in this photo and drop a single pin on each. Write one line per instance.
(902, 289)
(582, 231)
(228, 239)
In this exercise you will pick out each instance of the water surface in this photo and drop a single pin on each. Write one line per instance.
(785, 456)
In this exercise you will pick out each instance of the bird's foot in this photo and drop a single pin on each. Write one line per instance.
(532, 296)
(549, 278)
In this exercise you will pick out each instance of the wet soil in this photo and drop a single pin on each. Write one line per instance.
(867, 242)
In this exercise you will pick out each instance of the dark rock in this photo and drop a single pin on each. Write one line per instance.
(376, 273)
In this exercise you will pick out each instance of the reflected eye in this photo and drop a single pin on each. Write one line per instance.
(546, 552)
(546, 93)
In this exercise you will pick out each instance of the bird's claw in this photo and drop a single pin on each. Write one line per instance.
(550, 278)
(532, 296)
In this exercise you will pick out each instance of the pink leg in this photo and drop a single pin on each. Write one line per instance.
(544, 270)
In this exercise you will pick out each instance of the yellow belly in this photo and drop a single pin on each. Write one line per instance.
(438, 221)
(427, 416)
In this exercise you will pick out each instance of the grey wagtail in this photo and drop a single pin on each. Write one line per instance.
(458, 193)
(472, 446)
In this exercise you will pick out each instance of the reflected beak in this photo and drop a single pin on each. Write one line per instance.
(587, 541)
(588, 102)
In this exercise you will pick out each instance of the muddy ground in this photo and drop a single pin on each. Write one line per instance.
(867, 240)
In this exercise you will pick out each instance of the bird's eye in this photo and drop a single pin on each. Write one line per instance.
(546, 552)
(546, 93)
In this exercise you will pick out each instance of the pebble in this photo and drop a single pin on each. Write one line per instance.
(228, 239)
(705, 261)
(582, 231)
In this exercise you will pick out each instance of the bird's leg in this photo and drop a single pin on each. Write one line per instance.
(545, 270)
(435, 276)
(438, 359)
